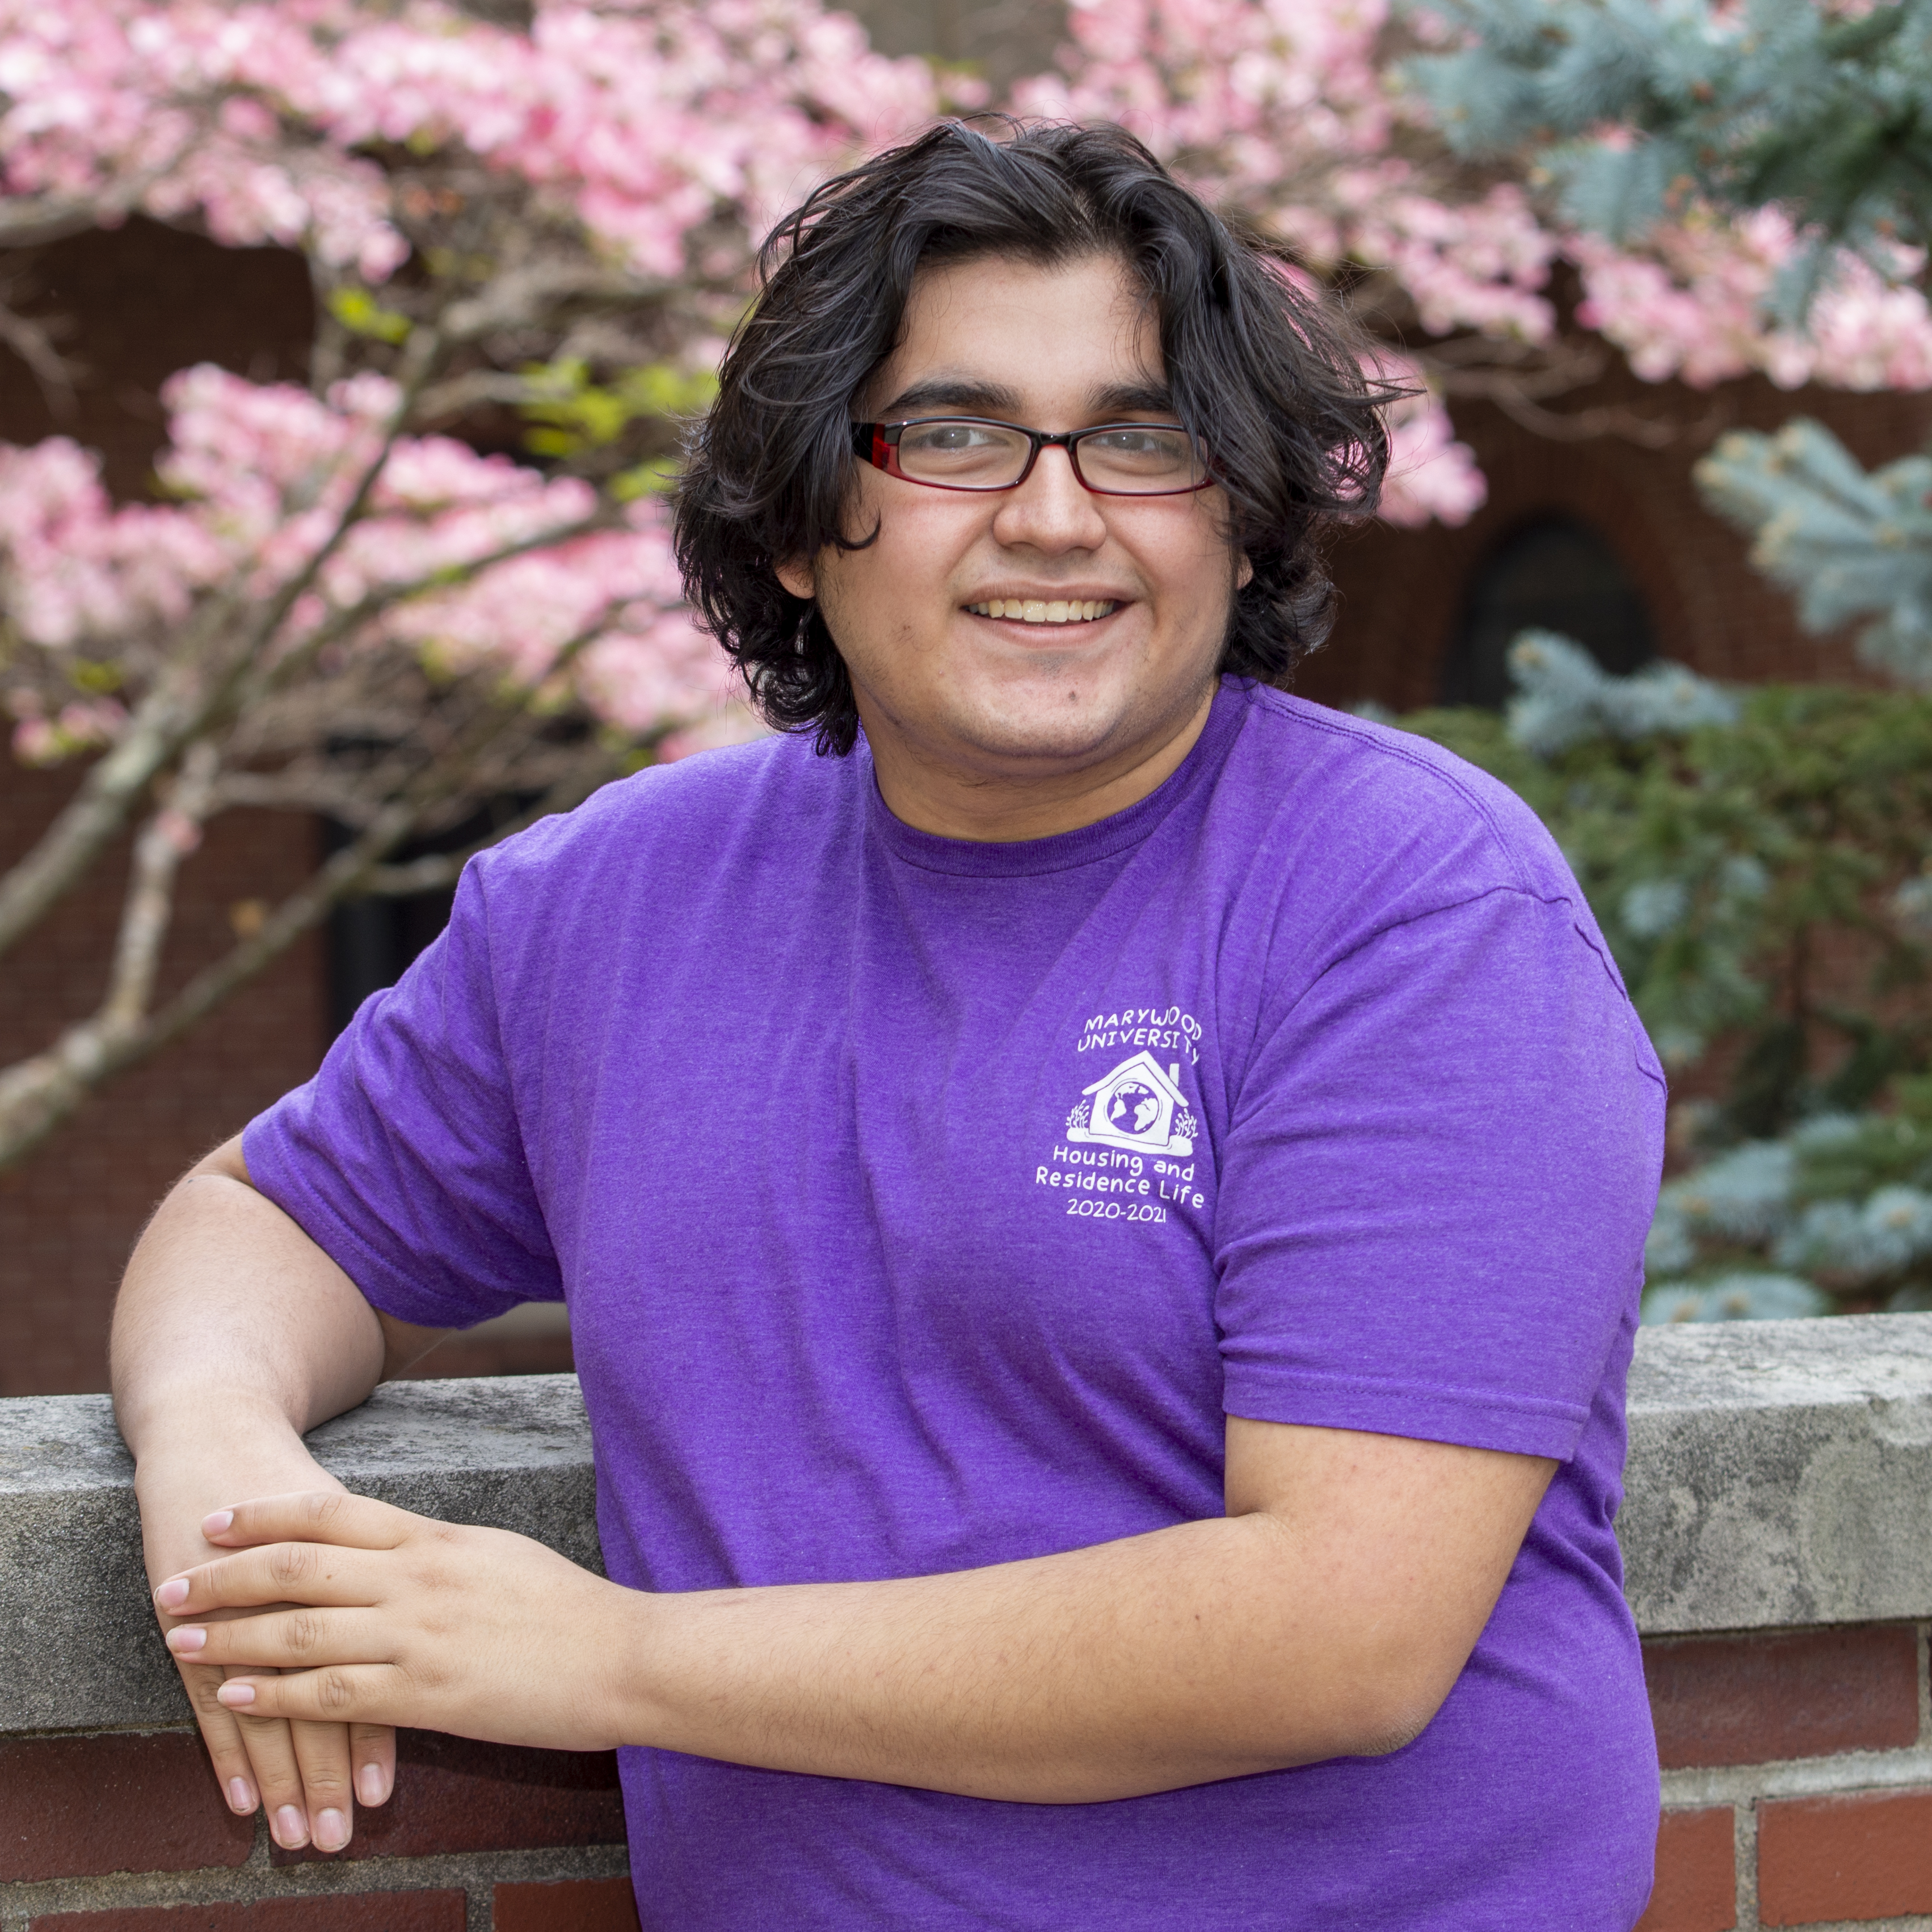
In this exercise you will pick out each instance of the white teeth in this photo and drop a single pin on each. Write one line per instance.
(1040, 610)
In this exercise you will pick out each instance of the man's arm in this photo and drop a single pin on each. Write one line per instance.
(1327, 1614)
(233, 1334)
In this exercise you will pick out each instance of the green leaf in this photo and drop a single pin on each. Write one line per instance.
(571, 414)
(359, 312)
(97, 679)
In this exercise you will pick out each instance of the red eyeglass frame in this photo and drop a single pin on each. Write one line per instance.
(877, 443)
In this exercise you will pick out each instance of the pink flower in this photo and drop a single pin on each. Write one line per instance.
(1694, 303)
(263, 473)
(1432, 477)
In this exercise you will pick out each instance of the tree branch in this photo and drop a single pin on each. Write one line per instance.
(436, 870)
(38, 1093)
(1521, 379)
(167, 838)
(1628, 425)
(33, 342)
(182, 706)
(32, 222)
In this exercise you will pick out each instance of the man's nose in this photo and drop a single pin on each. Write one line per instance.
(1052, 509)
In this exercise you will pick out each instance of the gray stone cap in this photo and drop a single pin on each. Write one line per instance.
(78, 1646)
(1849, 1358)
(432, 1431)
(1781, 1474)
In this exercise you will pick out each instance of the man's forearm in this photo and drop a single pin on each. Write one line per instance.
(233, 1335)
(1188, 1654)
(1332, 1623)
(1328, 1614)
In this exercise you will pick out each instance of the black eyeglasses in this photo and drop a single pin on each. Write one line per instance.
(976, 453)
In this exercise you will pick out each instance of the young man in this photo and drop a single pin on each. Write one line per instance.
(1100, 1205)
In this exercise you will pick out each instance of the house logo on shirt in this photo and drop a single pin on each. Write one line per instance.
(1127, 1151)
(1137, 1105)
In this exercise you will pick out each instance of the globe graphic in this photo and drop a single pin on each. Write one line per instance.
(1134, 1108)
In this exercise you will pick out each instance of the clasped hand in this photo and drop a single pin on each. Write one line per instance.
(382, 1617)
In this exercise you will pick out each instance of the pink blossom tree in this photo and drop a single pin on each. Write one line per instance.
(341, 607)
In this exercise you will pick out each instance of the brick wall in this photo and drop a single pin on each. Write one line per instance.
(1797, 1791)
(70, 1212)
(1402, 591)
(145, 302)
(1797, 1779)
(127, 1833)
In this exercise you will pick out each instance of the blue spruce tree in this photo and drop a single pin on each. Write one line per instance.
(1716, 832)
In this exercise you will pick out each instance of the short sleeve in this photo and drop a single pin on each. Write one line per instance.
(402, 1159)
(1436, 1179)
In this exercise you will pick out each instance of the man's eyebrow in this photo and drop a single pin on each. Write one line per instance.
(995, 399)
(1132, 399)
(954, 392)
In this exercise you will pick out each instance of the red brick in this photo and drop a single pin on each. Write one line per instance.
(1755, 1699)
(73, 1808)
(454, 1795)
(572, 1905)
(1696, 1888)
(1823, 1859)
(353, 1912)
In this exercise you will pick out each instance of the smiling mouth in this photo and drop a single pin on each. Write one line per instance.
(1044, 610)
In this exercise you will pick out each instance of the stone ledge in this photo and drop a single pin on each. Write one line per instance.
(79, 1649)
(1781, 1475)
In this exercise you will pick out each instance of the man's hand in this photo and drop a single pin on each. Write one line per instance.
(476, 1631)
(307, 1776)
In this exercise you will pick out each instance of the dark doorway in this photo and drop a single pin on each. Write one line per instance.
(1553, 574)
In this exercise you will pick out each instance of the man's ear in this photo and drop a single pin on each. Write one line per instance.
(797, 577)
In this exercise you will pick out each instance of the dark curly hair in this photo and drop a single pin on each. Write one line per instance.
(1269, 382)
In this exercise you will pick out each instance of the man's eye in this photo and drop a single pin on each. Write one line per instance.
(1167, 443)
(949, 439)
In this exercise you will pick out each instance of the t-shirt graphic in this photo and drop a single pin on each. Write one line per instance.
(1139, 1104)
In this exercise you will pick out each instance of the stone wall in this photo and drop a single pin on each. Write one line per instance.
(1777, 1535)
(1777, 1532)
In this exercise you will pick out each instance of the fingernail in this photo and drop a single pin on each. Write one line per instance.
(172, 1593)
(291, 1829)
(213, 1525)
(332, 1831)
(235, 1693)
(241, 1795)
(371, 1786)
(185, 1642)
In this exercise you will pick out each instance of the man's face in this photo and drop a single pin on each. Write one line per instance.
(942, 686)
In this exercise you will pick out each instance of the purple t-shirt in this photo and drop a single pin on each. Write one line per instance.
(922, 1204)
